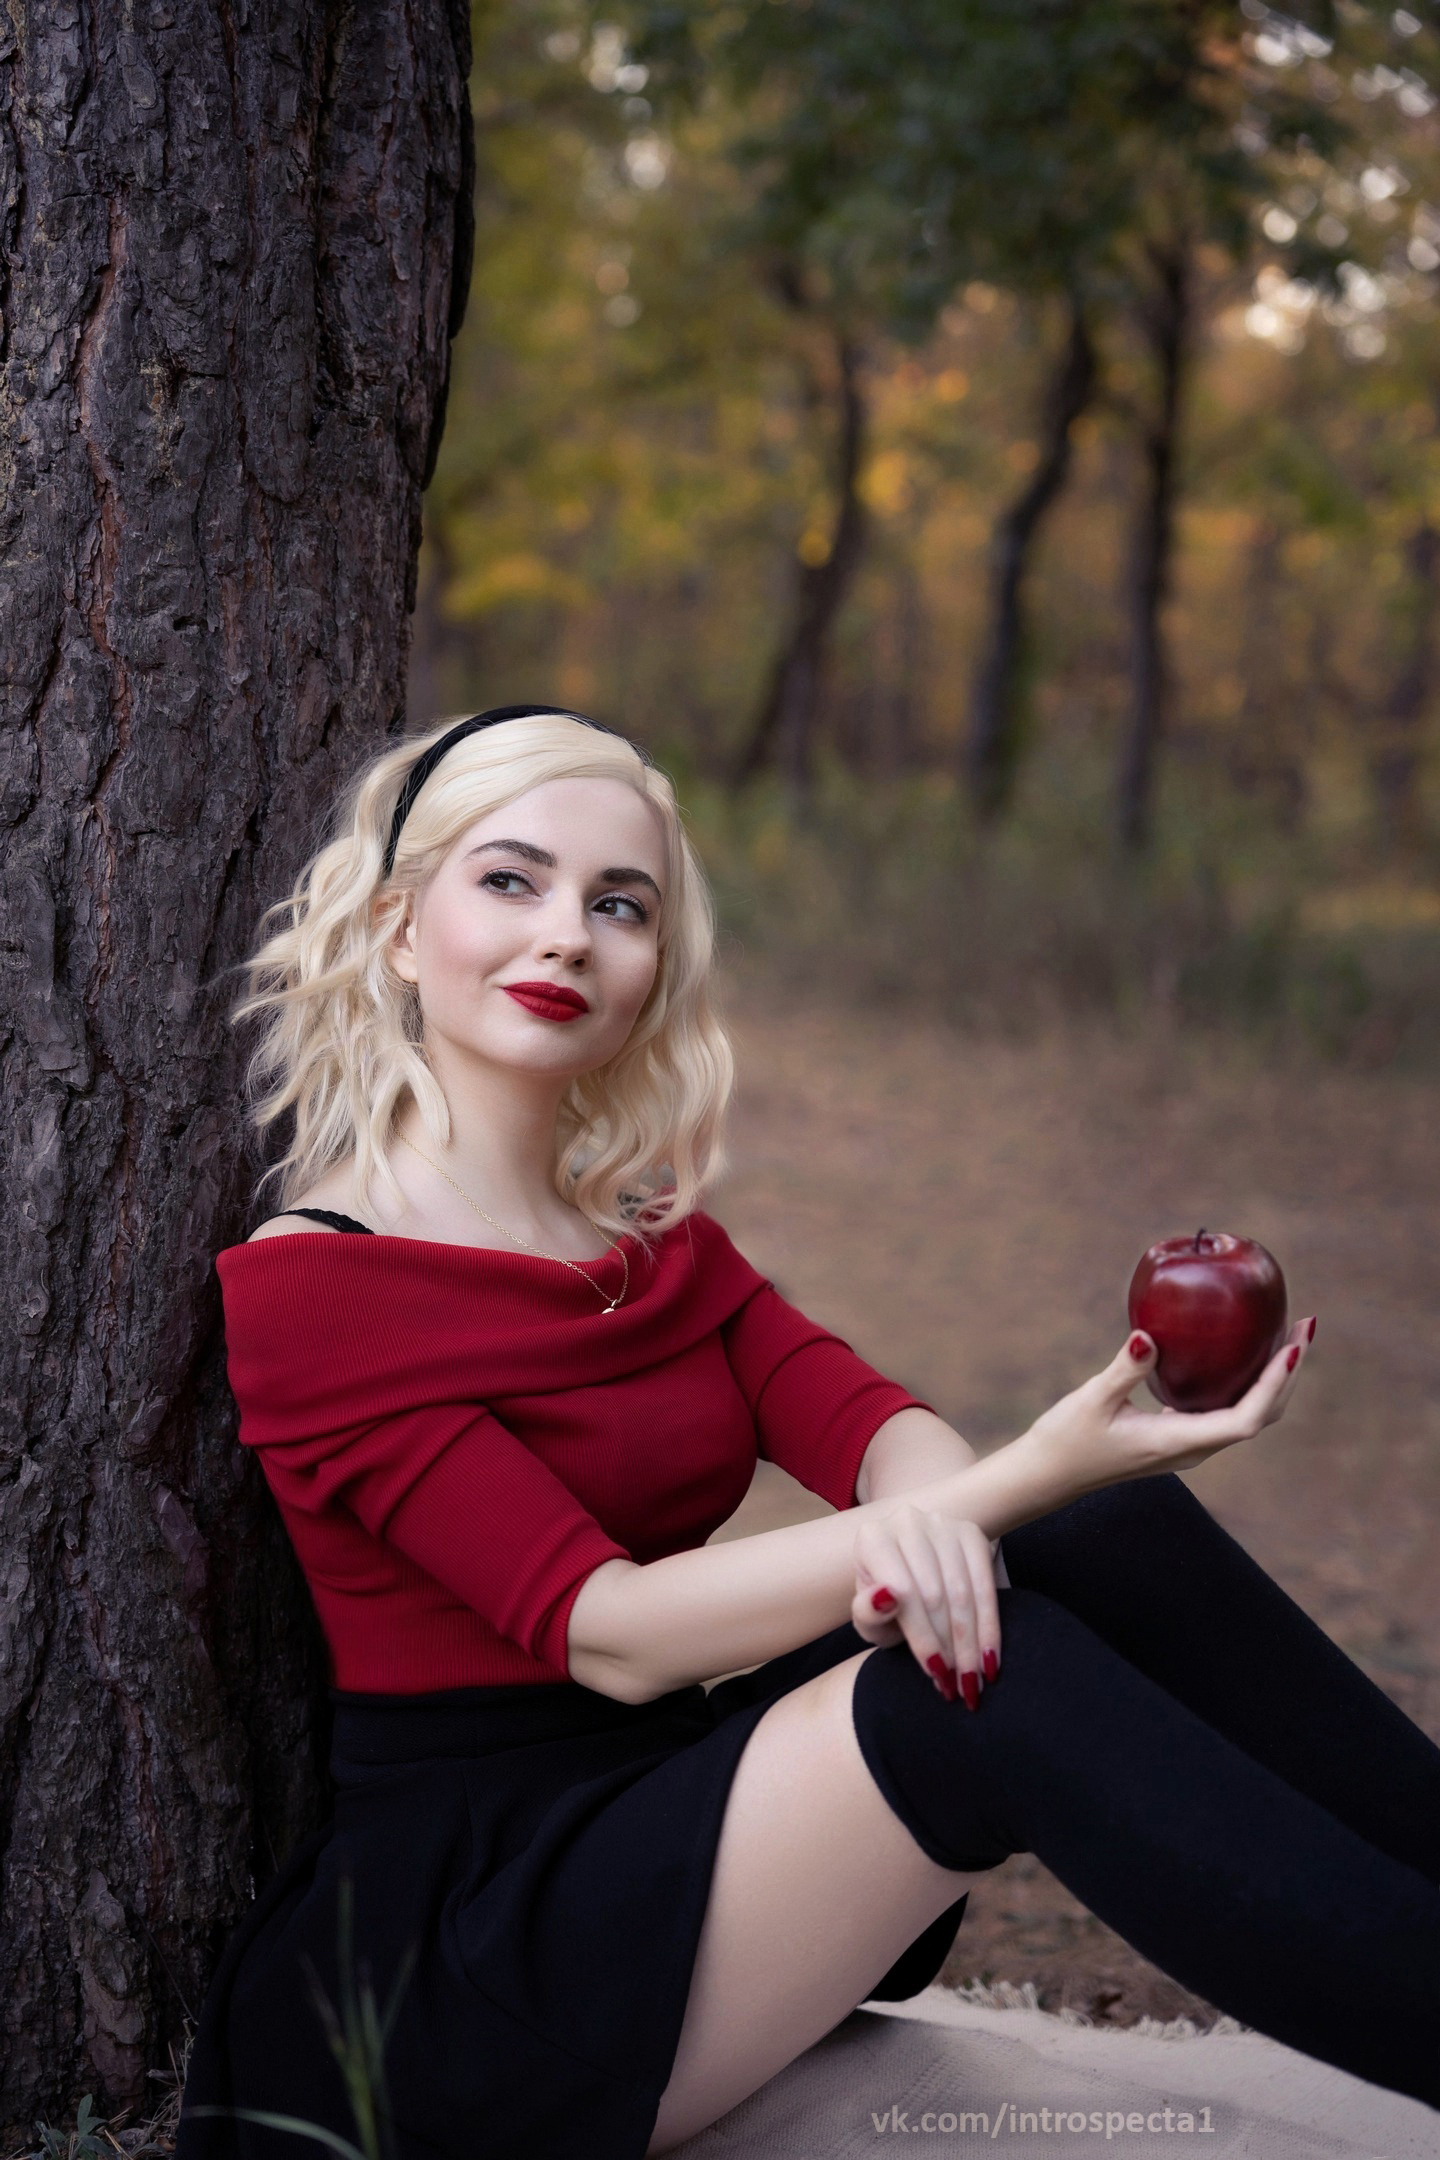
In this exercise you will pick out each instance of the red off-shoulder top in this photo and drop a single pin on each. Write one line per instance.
(456, 1438)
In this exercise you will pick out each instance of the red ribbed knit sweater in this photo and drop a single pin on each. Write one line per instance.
(457, 1437)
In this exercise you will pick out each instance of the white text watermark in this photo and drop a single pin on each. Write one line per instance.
(1010, 2119)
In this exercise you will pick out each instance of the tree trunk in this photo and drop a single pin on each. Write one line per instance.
(1166, 320)
(235, 248)
(784, 726)
(907, 702)
(1396, 755)
(1267, 749)
(996, 708)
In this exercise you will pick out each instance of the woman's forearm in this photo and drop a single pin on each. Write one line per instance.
(915, 1447)
(638, 1631)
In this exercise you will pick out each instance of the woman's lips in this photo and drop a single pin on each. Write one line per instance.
(548, 1001)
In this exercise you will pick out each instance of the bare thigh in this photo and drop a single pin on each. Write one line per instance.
(817, 1888)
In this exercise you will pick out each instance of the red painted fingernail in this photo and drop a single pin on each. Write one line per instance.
(1294, 1357)
(992, 1666)
(883, 1600)
(943, 1675)
(1310, 1331)
(970, 1688)
(1139, 1348)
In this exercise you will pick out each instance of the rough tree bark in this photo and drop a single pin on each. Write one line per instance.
(1165, 315)
(784, 726)
(992, 750)
(235, 248)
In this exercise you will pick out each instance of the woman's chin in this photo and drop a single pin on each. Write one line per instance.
(558, 1056)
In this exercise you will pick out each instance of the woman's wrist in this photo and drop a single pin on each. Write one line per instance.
(1012, 1485)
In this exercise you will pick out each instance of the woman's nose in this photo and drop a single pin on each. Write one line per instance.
(567, 936)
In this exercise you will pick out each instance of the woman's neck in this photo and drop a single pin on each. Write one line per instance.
(499, 1163)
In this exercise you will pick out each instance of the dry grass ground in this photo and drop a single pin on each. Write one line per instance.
(967, 1214)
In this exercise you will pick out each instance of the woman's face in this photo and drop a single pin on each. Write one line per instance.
(534, 945)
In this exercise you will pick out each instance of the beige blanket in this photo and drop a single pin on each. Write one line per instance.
(951, 2071)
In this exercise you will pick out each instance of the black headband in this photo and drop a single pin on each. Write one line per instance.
(425, 764)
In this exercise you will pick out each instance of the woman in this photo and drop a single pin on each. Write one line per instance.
(505, 1377)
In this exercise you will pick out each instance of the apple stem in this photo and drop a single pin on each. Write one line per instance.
(1198, 1235)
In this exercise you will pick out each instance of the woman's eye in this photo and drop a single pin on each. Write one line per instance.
(612, 901)
(505, 881)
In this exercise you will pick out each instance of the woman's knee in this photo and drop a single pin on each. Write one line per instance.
(1096, 1523)
(1039, 1637)
(941, 1767)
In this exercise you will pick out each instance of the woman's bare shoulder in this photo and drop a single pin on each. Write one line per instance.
(327, 1194)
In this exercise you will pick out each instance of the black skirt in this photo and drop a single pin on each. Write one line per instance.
(540, 1858)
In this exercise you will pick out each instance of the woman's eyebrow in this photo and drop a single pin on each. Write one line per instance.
(631, 877)
(528, 852)
(525, 849)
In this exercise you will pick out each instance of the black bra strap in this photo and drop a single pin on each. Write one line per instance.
(327, 1215)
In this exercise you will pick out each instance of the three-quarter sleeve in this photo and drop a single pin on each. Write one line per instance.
(816, 1405)
(452, 1488)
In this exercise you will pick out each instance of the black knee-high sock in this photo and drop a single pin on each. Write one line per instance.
(1149, 1569)
(1212, 1866)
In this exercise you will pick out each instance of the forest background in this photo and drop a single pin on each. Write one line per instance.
(990, 455)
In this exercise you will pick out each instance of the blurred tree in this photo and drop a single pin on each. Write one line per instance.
(645, 434)
(1353, 463)
(1163, 303)
(636, 431)
(1240, 122)
(900, 153)
(1399, 155)
(997, 707)
(826, 562)
(1411, 696)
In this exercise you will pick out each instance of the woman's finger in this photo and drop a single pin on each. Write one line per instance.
(931, 1637)
(981, 1561)
(1261, 1405)
(963, 1637)
(872, 1614)
(1292, 1358)
(882, 1583)
(892, 1551)
(1132, 1361)
(1263, 1402)
(981, 1651)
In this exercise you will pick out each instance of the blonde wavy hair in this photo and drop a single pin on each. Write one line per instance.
(637, 1140)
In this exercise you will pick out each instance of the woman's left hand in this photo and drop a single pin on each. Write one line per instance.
(935, 1578)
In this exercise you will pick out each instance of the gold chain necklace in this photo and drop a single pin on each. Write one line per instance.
(573, 1265)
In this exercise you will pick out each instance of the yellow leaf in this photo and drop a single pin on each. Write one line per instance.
(886, 483)
(510, 577)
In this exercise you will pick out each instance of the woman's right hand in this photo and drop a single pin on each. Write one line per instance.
(1096, 1436)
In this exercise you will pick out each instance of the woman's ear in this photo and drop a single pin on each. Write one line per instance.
(399, 948)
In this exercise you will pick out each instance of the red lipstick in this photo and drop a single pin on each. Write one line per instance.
(547, 1000)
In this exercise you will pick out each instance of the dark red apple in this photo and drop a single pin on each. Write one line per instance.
(1215, 1309)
